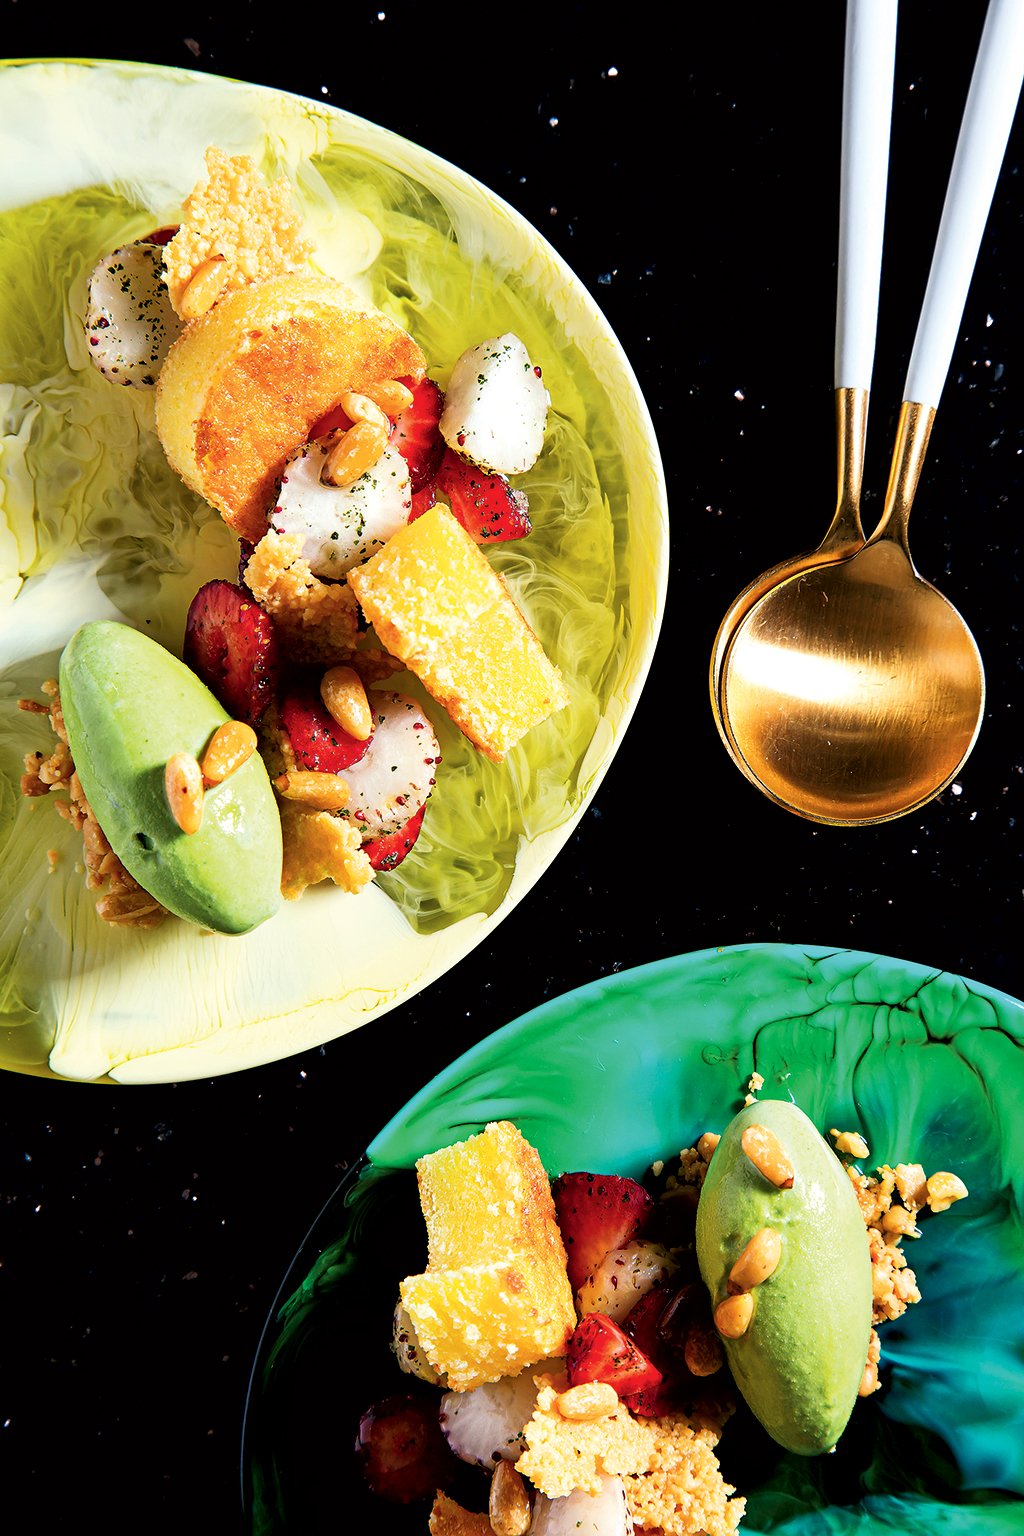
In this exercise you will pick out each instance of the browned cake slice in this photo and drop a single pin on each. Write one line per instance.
(242, 386)
(438, 605)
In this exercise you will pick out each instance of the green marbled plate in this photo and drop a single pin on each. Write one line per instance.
(929, 1066)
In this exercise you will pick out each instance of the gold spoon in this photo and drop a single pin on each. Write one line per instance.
(870, 50)
(852, 692)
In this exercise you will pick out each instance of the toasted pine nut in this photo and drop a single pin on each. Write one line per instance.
(362, 408)
(850, 1143)
(707, 1144)
(355, 451)
(898, 1219)
(912, 1185)
(944, 1189)
(869, 1381)
(589, 1401)
(768, 1155)
(231, 745)
(345, 701)
(183, 786)
(391, 395)
(733, 1315)
(320, 791)
(759, 1259)
(203, 288)
(701, 1350)
(508, 1507)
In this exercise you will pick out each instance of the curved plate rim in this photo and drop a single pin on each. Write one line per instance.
(225, 1050)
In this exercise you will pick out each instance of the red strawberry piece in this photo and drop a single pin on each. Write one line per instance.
(653, 1402)
(643, 1321)
(402, 1449)
(386, 853)
(417, 436)
(485, 504)
(318, 741)
(672, 1325)
(422, 501)
(599, 1350)
(231, 644)
(162, 236)
(334, 418)
(596, 1213)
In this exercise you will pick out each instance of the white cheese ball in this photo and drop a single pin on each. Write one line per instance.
(496, 407)
(392, 780)
(622, 1277)
(584, 1514)
(409, 1351)
(486, 1424)
(129, 322)
(341, 525)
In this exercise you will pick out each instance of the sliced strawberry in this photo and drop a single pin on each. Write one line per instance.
(642, 1324)
(422, 501)
(597, 1212)
(231, 644)
(599, 1350)
(486, 505)
(417, 436)
(335, 417)
(162, 236)
(403, 1452)
(318, 741)
(672, 1325)
(386, 853)
(653, 1402)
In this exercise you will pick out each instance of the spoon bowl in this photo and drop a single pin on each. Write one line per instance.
(852, 692)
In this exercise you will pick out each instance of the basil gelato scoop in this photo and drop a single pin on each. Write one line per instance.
(129, 707)
(788, 1269)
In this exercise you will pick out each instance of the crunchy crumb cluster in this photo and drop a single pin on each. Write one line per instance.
(319, 846)
(672, 1478)
(235, 217)
(889, 1201)
(124, 902)
(318, 621)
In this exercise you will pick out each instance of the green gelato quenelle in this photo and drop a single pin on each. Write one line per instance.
(129, 706)
(800, 1362)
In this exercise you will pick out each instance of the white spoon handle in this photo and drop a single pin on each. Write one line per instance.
(988, 117)
(867, 114)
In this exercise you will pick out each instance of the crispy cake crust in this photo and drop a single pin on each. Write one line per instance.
(243, 385)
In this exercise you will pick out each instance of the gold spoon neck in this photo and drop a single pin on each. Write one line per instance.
(851, 436)
(912, 435)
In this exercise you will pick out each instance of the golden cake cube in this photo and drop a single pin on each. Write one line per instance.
(486, 1196)
(487, 1320)
(495, 1296)
(439, 606)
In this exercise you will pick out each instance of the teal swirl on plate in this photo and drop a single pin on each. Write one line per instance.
(95, 525)
(927, 1065)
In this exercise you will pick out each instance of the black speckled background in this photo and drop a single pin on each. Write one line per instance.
(688, 170)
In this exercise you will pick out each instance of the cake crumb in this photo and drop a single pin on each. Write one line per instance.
(236, 217)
